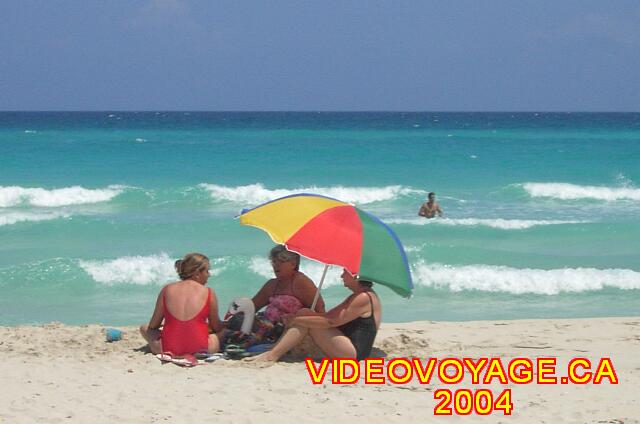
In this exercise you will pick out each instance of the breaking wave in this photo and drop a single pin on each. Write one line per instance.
(311, 269)
(523, 280)
(16, 217)
(255, 194)
(566, 191)
(140, 270)
(502, 224)
(19, 196)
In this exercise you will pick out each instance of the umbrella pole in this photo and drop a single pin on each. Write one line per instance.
(315, 299)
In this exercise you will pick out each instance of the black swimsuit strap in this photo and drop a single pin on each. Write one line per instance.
(371, 303)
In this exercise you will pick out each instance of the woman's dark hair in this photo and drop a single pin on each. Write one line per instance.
(366, 283)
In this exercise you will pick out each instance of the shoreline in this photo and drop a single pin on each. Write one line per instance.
(131, 327)
(60, 373)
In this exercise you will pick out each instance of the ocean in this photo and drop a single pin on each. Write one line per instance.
(541, 210)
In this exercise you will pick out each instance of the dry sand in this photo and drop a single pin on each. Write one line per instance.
(57, 373)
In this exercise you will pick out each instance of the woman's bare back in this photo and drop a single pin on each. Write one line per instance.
(185, 299)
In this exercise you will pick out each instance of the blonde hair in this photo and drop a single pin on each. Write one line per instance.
(191, 264)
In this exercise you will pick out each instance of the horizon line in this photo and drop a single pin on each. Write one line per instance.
(303, 111)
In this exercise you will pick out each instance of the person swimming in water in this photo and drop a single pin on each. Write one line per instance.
(430, 208)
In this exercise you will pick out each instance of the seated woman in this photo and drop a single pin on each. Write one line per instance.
(188, 310)
(346, 331)
(290, 291)
(286, 294)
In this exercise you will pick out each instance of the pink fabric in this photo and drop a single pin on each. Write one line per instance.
(282, 304)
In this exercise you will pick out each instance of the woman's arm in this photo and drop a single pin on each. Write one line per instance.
(305, 290)
(345, 312)
(261, 299)
(214, 317)
(158, 313)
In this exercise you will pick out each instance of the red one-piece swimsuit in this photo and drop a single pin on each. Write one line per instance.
(183, 337)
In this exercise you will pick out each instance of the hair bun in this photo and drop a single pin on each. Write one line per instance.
(190, 264)
(178, 267)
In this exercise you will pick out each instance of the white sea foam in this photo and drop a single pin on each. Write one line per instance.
(312, 269)
(411, 249)
(566, 191)
(261, 266)
(141, 270)
(76, 195)
(255, 194)
(10, 218)
(502, 224)
(523, 280)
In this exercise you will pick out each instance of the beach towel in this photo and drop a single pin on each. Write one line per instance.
(186, 361)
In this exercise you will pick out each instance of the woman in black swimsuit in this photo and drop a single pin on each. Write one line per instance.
(346, 331)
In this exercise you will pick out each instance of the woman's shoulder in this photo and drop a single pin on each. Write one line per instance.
(302, 278)
(169, 286)
(270, 283)
(267, 287)
(181, 288)
(363, 297)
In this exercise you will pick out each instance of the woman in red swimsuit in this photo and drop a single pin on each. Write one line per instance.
(188, 309)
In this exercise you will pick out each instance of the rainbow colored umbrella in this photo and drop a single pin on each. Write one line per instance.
(335, 233)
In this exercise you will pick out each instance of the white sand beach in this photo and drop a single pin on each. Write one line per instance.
(57, 373)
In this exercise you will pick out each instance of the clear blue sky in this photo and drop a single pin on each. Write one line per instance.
(320, 55)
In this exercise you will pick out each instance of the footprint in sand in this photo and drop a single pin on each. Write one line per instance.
(403, 343)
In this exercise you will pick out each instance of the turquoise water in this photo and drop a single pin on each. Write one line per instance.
(542, 213)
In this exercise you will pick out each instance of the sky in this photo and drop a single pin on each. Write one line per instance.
(342, 55)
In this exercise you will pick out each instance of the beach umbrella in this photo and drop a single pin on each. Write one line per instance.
(335, 233)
